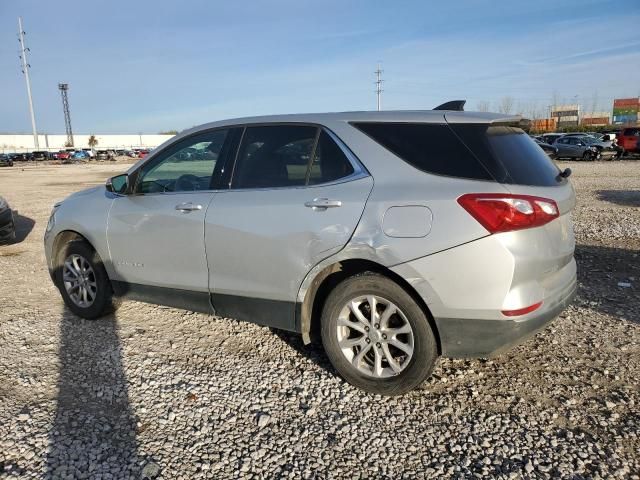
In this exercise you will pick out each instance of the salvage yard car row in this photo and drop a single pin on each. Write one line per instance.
(70, 154)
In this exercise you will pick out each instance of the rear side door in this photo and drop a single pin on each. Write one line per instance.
(296, 197)
(156, 233)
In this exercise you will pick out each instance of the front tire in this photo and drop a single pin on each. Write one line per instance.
(588, 156)
(83, 281)
(377, 336)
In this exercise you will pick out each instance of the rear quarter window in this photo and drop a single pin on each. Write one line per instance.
(491, 152)
(432, 148)
(510, 154)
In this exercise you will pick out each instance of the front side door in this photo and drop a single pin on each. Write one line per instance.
(156, 233)
(295, 199)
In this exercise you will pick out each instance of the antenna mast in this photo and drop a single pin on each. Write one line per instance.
(379, 90)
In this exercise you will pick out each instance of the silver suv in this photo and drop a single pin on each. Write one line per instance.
(395, 237)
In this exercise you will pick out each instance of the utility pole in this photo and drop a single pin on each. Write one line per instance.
(379, 90)
(64, 88)
(25, 70)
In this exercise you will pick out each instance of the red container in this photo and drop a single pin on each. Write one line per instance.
(626, 102)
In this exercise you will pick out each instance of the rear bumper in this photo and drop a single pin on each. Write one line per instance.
(471, 338)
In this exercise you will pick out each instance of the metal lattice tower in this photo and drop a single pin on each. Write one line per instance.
(64, 88)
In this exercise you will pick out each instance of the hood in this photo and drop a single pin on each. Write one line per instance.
(84, 193)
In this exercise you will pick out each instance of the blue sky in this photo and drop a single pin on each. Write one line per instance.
(147, 66)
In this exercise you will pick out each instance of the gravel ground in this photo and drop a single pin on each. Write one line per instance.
(164, 393)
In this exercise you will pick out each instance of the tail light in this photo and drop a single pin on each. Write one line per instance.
(498, 212)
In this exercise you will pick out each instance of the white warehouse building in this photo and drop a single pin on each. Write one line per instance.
(54, 142)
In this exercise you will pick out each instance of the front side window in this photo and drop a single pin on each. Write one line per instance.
(274, 156)
(186, 166)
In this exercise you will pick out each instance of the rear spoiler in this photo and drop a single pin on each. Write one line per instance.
(453, 105)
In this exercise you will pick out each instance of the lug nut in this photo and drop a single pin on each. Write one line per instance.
(384, 335)
(378, 345)
(366, 329)
(377, 325)
(368, 340)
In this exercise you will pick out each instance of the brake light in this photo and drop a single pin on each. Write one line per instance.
(498, 212)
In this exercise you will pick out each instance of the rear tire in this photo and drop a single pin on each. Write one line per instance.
(79, 269)
(396, 353)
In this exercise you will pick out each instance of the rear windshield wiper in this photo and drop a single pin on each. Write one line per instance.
(564, 174)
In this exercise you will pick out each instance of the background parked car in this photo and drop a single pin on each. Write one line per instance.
(63, 155)
(7, 225)
(551, 138)
(102, 155)
(17, 157)
(575, 147)
(143, 153)
(40, 155)
(550, 150)
(5, 160)
(80, 155)
(628, 139)
(606, 149)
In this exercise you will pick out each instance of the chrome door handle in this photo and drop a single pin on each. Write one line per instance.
(188, 207)
(323, 203)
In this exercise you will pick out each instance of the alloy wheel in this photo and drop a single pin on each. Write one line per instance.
(375, 336)
(79, 280)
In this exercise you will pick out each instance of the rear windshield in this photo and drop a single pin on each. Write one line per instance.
(502, 153)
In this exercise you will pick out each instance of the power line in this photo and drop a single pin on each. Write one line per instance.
(379, 90)
(25, 70)
(64, 88)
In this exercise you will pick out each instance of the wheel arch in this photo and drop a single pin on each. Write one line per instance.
(62, 238)
(309, 311)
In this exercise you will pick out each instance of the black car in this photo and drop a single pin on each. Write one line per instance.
(18, 157)
(550, 150)
(40, 155)
(7, 226)
(5, 160)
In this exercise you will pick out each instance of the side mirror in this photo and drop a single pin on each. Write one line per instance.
(118, 184)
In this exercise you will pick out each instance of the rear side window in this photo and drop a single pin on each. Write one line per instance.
(630, 132)
(329, 162)
(510, 155)
(432, 148)
(274, 156)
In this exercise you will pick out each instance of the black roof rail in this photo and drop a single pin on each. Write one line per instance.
(455, 105)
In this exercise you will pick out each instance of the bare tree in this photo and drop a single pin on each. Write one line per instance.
(505, 105)
(483, 106)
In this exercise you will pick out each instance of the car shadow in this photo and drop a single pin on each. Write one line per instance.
(94, 430)
(23, 226)
(627, 198)
(314, 351)
(609, 280)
